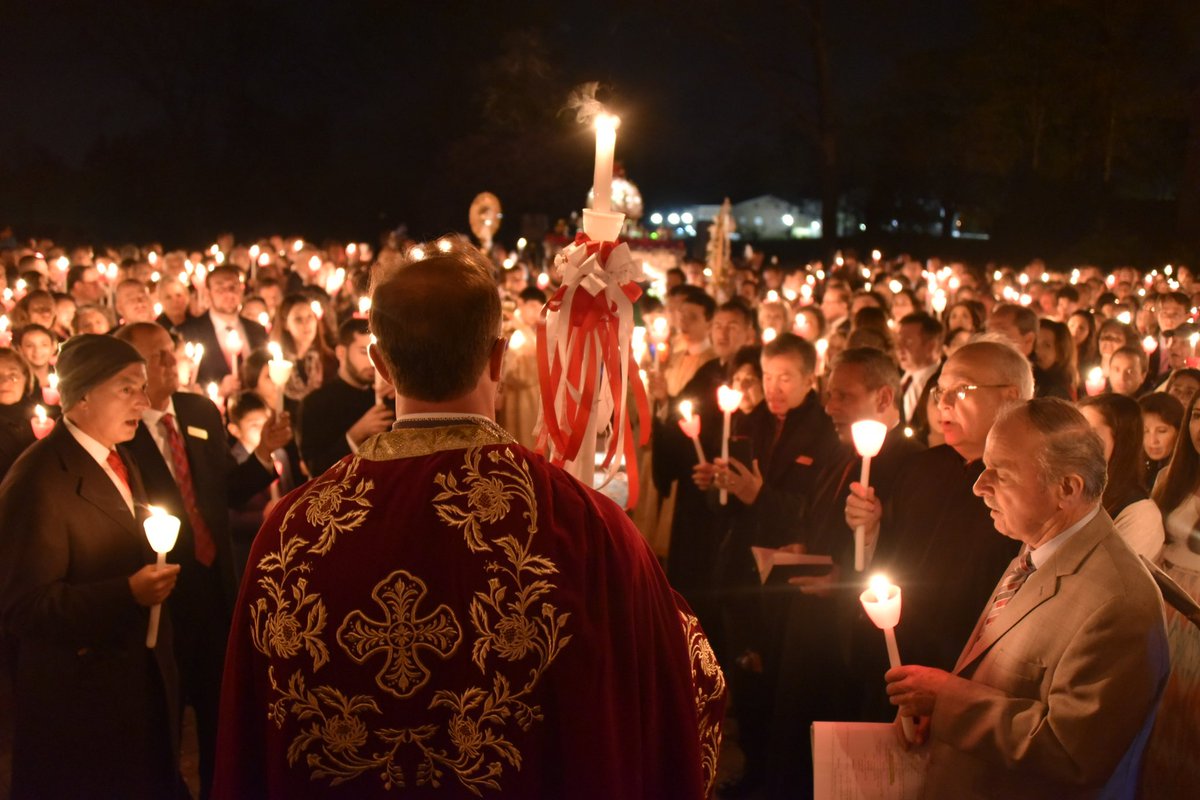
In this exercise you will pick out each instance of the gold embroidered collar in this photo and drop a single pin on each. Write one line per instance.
(420, 437)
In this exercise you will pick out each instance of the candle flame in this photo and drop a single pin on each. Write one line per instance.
(275, 350)
(685, 410)
(40, 413)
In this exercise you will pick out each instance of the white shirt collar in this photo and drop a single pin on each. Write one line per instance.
(1042, 554)
(152, 416)
(94, 448)
(922, 373)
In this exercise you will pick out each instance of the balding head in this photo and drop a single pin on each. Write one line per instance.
(436, 321)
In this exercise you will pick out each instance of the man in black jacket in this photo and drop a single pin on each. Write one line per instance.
(215, 330)
(184, 457)
(337, 417)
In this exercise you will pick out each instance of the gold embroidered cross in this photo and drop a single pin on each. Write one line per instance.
(400, 634)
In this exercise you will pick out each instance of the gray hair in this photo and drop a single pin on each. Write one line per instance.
(998, 352)
(1069, 445)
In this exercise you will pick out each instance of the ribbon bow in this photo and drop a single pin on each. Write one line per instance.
(585, 357)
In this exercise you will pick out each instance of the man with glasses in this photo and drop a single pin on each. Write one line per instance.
(1171, 311)
(935, 537)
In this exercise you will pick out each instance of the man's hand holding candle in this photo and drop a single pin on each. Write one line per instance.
(735, 477)
(152, 584)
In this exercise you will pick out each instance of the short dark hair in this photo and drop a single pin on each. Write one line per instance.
(1021, 316)
(1133, 352)
(930, 327)
(33, 327)
(1179, 298)
(697, 297)
(532, 294)
(436, 320)
(750, 354)
(75, 275)
(244, 403)
(738, 306)
(789, 344)
(1067, 292)
(351, 329)
(879, 369)
(228, 270)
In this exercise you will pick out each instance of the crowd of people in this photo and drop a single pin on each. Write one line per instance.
(1042, 435)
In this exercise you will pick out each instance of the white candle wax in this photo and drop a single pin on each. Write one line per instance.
(606, 144)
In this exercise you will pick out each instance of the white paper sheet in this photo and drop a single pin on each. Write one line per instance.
(864, 761)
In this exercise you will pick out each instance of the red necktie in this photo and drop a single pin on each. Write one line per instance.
(206, 548)
(118, 466)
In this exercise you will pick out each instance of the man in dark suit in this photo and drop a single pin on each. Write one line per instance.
(824, 661)
(343, 412)
(96, 713)
(214, 330)
(936, 540)
(919, 351)
(1019, 325)
(792, 440)
(182, 452)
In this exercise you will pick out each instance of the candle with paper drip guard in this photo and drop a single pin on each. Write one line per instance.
(42, 425)
(690, 425)
(233, 348)
(1149, 345)
(728, 399)
(1094, 383)
(279, 369)
(868, 441)
(195, 354)
(161, 530)
(881, 601)
(50, 394)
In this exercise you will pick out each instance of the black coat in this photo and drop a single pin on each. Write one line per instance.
(96, 712)
(16, 434)
(326, 414)
(213, 366)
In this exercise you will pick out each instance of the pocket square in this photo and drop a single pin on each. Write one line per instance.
(200, 433)
(804, 460)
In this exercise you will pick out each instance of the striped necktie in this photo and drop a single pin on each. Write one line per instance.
(1013, 580)
(205, 545)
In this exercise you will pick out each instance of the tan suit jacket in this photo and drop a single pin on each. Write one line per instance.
(1056, 697)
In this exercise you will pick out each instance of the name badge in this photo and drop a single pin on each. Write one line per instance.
(199, 433)
(804, 461)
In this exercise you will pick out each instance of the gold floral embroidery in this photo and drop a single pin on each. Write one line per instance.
(488, 498)
(513, 622)
(290, 618)
(400, 634)
(413, 442)
(276, 628)
(709, 685)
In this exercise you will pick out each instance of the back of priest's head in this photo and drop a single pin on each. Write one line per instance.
(436, 320)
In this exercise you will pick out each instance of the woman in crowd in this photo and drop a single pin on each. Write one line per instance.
(967, 315)
(16, 407)
(904, 302)
(1114, 335)
(1083, 332)
(1170, 764)
(1055, 354)
(775, 315)
(747, 377)
(298, 332)
(1162, 415)
(92, 319)
(1183, 384)
(809, 323)
(1118, 421)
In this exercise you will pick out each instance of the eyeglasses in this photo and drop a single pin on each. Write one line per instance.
(960, 392)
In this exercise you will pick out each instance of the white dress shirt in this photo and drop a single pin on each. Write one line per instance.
(100, 453)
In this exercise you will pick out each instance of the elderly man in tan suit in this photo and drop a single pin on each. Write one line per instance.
(1054, 693)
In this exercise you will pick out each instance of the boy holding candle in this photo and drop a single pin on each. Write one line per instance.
(96, 712)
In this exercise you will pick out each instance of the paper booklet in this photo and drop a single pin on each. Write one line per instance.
(776, 566)
(865, 761)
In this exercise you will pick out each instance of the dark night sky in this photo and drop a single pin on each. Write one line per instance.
(144, 118)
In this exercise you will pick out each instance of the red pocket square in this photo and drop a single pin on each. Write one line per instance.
(804, 460)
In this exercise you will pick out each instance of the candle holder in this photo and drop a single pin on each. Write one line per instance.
(42, 425)
(882, 601)
(868, 437)
(690, 425)
(162, 530)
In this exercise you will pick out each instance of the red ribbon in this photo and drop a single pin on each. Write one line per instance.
(593, 337)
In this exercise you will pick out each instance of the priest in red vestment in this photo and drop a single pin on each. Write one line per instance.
(445, 614)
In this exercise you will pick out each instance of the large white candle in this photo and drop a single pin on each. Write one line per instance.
(728, 399)
(868, 441)
(162, 530)
(606, 144)
(690, 425)
(279, 370)
(882, 602)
